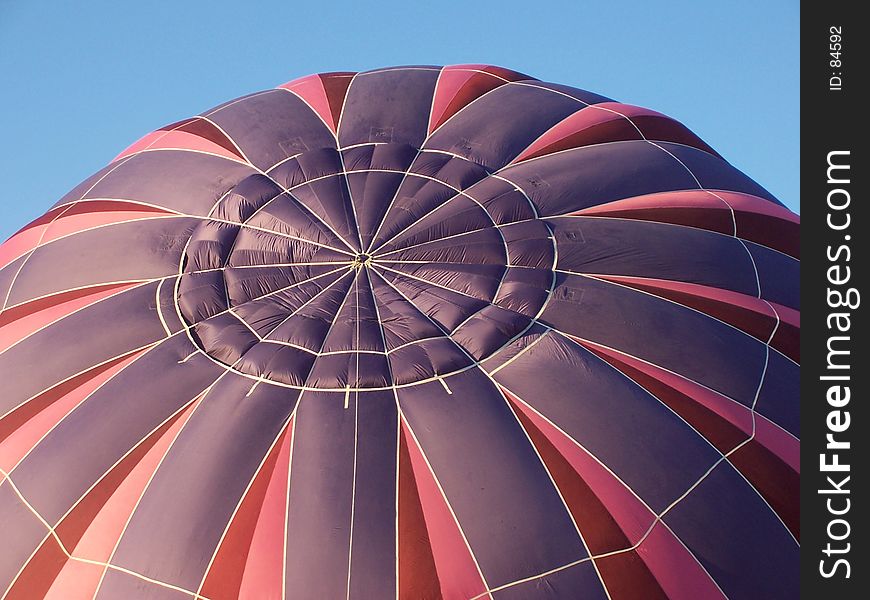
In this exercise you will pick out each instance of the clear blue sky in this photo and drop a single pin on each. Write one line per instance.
(82, 80)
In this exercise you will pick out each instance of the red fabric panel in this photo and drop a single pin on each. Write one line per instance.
(26, 323)
(724, 435)
(335, 85)
(599, 529)
(775, 481)
(780, 442)
(458, 85)
(457, 571)
(71, 218)
(611, 122)
(37, 576)
(161, 140)
(24, 426)
(125, 482)
(627, 577)
(757, 220)
(264, 570)
(722, 421)
(632, 516)
(418, 577)
(71, 529)
(678, 572)
(310, 89)
(747, 313)
(195, 134)
(224, 578)
(324, 93)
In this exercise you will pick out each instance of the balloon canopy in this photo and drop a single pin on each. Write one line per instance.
(416, 333)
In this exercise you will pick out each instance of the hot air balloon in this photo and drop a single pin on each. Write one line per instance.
(416, 333)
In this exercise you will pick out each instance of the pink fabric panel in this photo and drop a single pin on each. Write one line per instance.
(632, 516)
(311, 90)
(457, 571)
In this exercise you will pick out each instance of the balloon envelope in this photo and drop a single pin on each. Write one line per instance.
(415, 333)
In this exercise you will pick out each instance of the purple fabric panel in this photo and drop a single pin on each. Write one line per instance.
(275, 362)
(388, 106)
(487, 132)
(142, 249)
(529, 244)
(643, 249)
(487, 331)
(224, 337)
(659, 331)
(578, 581)
(249, 196)
(475, 280)
(283, 218)
(271, 126)
(266, 314)
(512, 516)
(189, 182)
(79, 190)
(779, 398)
(525, 291)
(20, 525)
(584, 96)
(246, 284)
(8, 275)
(166, 299)
(329, 198)
(780, 275)
(415, 198)
(737, 537)
(210, 245)
(373, 553)
(95, 334)
(503, 202)
(350, 369)
(393, 157)
(371, 193)
(426, 359)
(172, 535)
(715, 173)
(356, 326)
(481, 246)
(452, 170)
(445, 307)
(117, 585)
(459, 215)
(202, 295)
(593, 175)
(253, 247)
(314, 164)
(402, 321)
(116, 417)
(310, 323)
(645, 444)
(321, 492)
(515, 347)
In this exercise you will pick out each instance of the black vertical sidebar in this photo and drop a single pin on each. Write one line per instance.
(835, 421)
